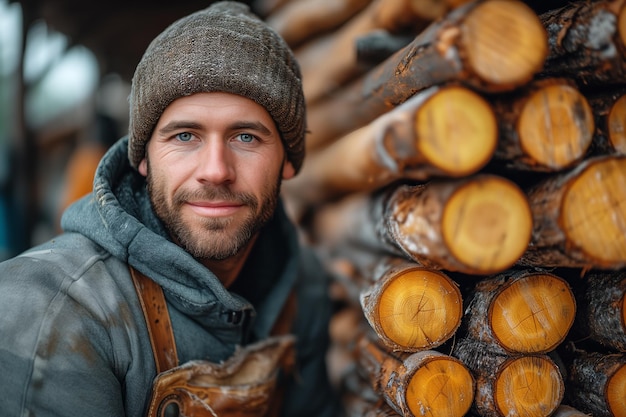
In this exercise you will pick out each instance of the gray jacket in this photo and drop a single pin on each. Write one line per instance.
(73, 339)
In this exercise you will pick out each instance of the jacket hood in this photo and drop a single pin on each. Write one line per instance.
(118, 216)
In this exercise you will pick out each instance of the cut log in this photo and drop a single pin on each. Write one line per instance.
(597, 383)
(521, 312)
(329, 61)
(442, 131)
(476, 225)
(411, 308)
(602, 315)
(587, 42)
(616, 125)
(609, 108)
(303, 20)
(547, 126)
(374, 47)
(423, 383)
(580, 216)
(494, 45)
(521, 386)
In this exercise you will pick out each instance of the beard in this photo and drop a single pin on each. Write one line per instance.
(215, 238)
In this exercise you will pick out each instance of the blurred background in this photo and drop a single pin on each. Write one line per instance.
(65, 71)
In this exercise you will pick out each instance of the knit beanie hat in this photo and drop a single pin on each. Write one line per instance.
(224, 48)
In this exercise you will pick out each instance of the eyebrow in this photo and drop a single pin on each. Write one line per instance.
(177, 125)
(257, 126)
(185, 124)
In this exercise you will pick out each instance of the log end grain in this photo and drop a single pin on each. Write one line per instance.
(616, 123)
(593, 213)
(441, 387)
(417, 309)
(532, 314)
(506, 42)
(528, 386)
(556, 126)
(616, 392)
(457, 131)
(597, 383)
(487, 224)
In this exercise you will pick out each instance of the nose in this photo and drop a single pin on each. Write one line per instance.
(215, 163)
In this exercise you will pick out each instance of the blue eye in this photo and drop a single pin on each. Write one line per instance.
(246, 137)
(184, 136)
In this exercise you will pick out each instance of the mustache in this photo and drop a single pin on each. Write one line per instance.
(214, 193)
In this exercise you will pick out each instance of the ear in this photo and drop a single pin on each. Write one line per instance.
(143, 167)
(288, 170)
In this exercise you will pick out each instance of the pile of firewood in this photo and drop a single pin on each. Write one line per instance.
(465, 184)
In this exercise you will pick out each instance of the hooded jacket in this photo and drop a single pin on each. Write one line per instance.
(73, 338)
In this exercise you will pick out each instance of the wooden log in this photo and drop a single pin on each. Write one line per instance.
(609, 109)
(492, 46)
(374, 47)
(442, 131)
(579, 216)
(329, 62)
(423, 383)
(546, 126)
(602, 315)
(411, 308)
(303, 20)
(522, 386)
(476, 225)
(616, 125)
(597, 383)
(587, 42)
(521, 312)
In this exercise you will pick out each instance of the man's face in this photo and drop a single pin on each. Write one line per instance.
(214, 166)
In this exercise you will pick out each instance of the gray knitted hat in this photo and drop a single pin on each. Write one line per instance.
(221, 48)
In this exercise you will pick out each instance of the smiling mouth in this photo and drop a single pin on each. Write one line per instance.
(215, 209)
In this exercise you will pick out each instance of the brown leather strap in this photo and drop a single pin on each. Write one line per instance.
(158, 320)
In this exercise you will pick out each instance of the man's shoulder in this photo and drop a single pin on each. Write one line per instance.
(62, 256)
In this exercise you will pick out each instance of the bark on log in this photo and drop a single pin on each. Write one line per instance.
(493, 46)
(427, 383)
(303, 20)
(521, 386)
(442, 131)
(521, 312)
(580, 217)
(330, 61)
(602, 315)
(374, 47)
(546, 126)
(597, 383)
(609, 109)
(411, 308)
(476, 225)
(587, 41)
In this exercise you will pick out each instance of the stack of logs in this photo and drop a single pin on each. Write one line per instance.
(465, 184)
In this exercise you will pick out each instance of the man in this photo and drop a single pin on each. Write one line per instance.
(190, 200)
